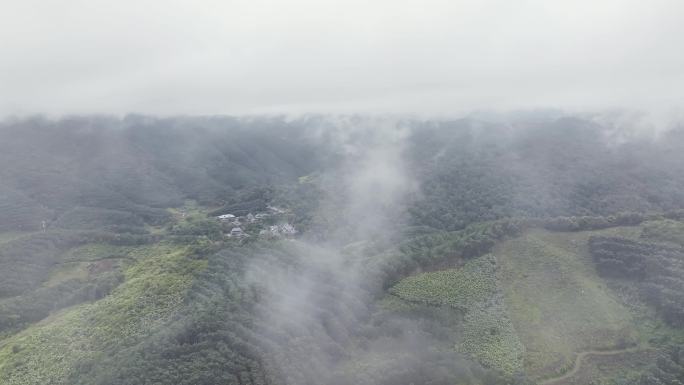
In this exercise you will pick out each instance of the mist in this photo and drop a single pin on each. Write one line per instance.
(311, 192)
(435, 58)
(401, 268)
(319, 301)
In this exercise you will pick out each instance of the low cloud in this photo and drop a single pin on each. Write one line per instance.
(300, 56)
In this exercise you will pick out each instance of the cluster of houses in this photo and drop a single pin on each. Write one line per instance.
(239, 221)
(280, 230)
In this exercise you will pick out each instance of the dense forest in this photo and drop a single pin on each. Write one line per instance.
(340, 250)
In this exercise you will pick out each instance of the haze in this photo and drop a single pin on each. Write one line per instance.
(409, 57)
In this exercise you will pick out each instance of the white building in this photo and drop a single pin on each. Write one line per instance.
(227, 217)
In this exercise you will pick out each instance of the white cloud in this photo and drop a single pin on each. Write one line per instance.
(400, 56)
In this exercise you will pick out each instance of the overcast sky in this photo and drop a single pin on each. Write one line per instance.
(399, 56)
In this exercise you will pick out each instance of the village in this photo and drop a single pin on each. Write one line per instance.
(272, 224)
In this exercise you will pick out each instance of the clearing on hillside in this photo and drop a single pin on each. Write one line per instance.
(558, 304)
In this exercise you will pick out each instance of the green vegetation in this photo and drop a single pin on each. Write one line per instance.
(88, 218)
(668, 368)
(545, 304)
(490, 337)
(488, 334)
(69, 271)
(194, 227)
(95, 251)
(461, 288)
(473, 171)
(656, 270)
(50, 352)
(558, 303)
(664, 231)
(524, 256)
(12, 235)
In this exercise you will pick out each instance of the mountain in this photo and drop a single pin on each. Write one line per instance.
(535, 248)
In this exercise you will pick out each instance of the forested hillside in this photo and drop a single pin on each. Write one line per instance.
(140, 165)
(339, 250)
(477, 171)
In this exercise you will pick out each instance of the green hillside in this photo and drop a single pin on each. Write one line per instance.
(429, 252)
(153, 289)
(558, 303)
(557, 315)
(487, 332)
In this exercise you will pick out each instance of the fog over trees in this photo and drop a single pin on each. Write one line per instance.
(323, 192)
(90, 205)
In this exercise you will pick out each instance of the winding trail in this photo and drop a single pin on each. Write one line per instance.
(581, 356)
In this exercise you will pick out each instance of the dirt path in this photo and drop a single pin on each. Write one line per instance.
(578, 362)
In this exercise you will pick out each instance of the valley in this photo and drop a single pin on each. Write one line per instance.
(202, 251)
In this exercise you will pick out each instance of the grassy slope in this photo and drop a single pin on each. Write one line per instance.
(533, 306)
(558, 303)
(666, 231)
(48, 352)
(606, 367)
(75, 261)
(553, 304)
(12, 235)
